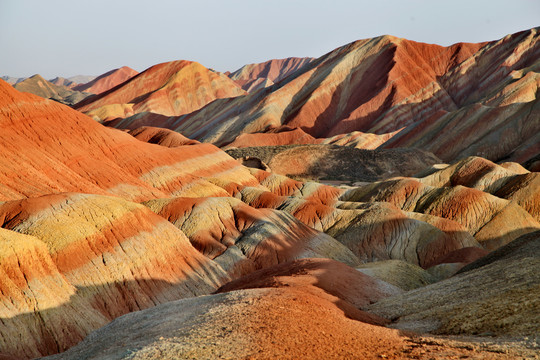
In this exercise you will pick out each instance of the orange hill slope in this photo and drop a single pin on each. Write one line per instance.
(168, 89)
(49, 148)
(386, 84)
(107, 81)
(76, 261)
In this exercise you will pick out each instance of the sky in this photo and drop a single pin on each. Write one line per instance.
(72, 37)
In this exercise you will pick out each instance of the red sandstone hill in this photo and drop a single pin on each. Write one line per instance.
(107, 81)
(167, 89)
(421, 93)
(253, 77)
(68, 258)
(49, 148)
(314, 317)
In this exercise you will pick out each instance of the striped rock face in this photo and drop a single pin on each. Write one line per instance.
(283, 136)
(49, 148)
(508, 181)
(168, 89)
(107, 81)
(73, 262)
(492, 220)
(243, 239)
(377, 231)
(453, 101)
(253, 77)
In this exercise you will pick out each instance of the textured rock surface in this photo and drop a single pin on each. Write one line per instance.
(107, 81)
(84, 260)
(493, 221)
(97, 222)
(473, 95)
(334, 278)
(49, 148)
(243, 324)
(499, 295)
(243, 239)
(332, 162)
(166, 89)
(282, 136)
(253, 77)
(288, 136)
(401, 274)
(376, 231)
(508, 181)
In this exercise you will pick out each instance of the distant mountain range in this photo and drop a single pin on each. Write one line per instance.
(69, 91)
(399, 92)
(37, 85)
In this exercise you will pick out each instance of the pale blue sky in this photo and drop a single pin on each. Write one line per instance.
(71, 37)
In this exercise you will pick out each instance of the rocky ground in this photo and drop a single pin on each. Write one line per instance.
(338, 163)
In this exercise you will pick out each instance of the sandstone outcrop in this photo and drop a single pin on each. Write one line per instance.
(96, 222)
(244, 323)
(491, 220)
(296, 136)
(160, 136)
(243, 239)
(472, 95)
(61, 150)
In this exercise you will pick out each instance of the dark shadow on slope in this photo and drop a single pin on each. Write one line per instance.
(530, 241)
(349, 289)
(371, 83)
(352, 165)
(54, 330)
